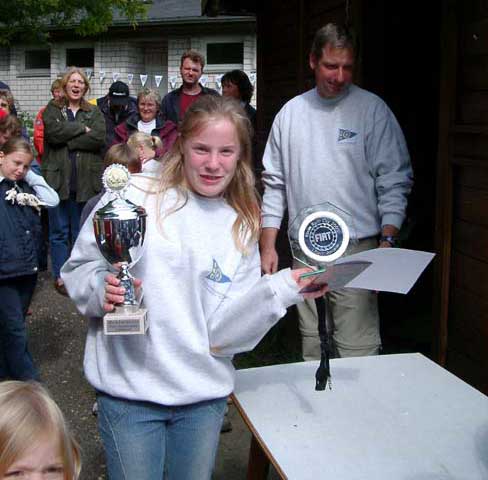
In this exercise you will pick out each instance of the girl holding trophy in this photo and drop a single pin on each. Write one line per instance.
(162, 395)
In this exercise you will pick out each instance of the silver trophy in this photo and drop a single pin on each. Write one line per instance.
(120, 228)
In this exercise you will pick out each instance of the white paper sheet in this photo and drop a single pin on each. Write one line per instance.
(391, 270)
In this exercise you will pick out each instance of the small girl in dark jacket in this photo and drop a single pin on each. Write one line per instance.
(22, 193)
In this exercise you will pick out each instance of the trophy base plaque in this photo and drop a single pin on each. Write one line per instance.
(125, 321)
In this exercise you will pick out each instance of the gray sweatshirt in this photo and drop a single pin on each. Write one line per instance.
(201, 294)
(349, 151)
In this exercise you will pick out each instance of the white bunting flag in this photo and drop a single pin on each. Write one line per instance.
(115, 76)
(252, 78)
(157, 79)
(172, 82)
(143, 79)
(101, 75)
(204, 80)
(130, 77)
(218, 81)
(89, 73)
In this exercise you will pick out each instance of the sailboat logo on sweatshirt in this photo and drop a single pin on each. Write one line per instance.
(216, 274)
(346, 136)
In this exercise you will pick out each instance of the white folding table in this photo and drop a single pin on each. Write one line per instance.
(387, 417)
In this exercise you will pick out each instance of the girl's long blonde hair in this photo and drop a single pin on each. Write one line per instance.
(241, 193)
(27, 415)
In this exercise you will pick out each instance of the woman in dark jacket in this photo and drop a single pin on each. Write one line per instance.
(148, 120)
(74, 134)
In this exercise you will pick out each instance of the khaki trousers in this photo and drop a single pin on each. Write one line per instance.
(352, 317)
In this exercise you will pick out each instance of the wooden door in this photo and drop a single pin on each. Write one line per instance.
(462, 203)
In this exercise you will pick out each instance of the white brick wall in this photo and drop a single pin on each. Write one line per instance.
(160, 57)
(29, 98)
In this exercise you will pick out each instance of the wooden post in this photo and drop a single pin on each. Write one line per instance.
(258, 466)
(443, 229)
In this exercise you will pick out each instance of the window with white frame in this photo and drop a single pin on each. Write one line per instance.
(80, 57)
(37, 61)
(224, 55)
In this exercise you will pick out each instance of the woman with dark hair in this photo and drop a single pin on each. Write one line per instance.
(236, 84)
(74, 134)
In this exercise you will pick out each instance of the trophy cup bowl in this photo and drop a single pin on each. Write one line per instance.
(120, 228)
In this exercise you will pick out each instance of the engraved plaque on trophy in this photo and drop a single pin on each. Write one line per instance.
(120, 228)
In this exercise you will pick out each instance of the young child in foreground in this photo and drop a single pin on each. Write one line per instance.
(22, 194)
(34, 439)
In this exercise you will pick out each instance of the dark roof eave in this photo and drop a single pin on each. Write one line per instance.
(179, 21)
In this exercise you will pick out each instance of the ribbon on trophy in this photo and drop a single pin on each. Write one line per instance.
(319, 235)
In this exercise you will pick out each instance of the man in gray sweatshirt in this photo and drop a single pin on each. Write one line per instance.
(341, 144)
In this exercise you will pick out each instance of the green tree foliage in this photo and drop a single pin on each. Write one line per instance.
(30, 20)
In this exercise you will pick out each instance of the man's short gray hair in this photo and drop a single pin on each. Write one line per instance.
(338, 36)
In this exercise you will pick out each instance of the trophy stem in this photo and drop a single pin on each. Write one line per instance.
(126, 281)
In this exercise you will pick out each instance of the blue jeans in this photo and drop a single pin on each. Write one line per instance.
(64, 226)
(15, 360)
(147, 441)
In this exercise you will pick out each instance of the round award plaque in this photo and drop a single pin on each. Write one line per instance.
(323, 236)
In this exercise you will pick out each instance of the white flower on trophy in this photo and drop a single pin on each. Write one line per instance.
(116, 178)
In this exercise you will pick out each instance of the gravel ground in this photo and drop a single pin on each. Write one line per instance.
(56, 338)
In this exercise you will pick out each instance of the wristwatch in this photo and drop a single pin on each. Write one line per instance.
(393, 241)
